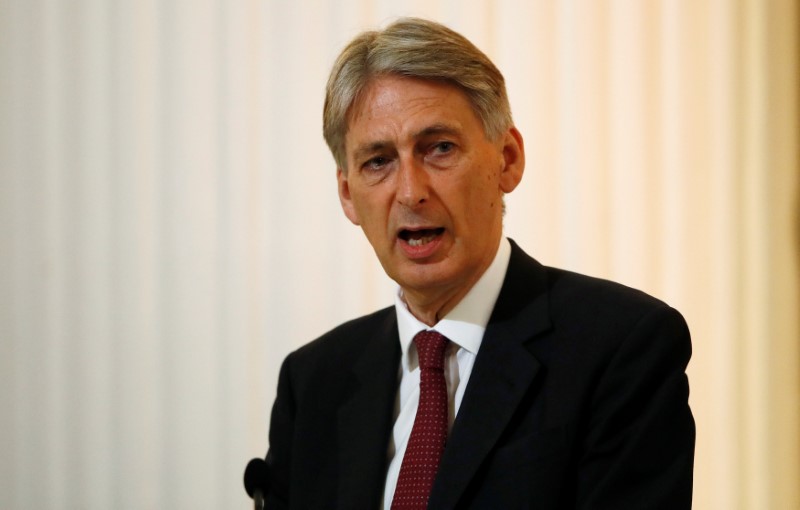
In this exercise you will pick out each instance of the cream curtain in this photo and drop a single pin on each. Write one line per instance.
(169, 228)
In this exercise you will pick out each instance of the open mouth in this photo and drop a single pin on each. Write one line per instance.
(420, 237)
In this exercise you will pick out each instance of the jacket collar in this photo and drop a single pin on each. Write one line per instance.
(365, 418)
(504, 370)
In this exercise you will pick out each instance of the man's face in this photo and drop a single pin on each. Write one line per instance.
(425, 184)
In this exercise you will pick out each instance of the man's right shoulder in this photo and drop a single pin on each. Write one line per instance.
(351, 336)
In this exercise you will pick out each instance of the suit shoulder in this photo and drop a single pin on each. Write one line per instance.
(349, 337)
(320, 369)
(573, 294)
(568, 282)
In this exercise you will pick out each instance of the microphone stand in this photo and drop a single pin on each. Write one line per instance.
(256, 481)
(258, 500)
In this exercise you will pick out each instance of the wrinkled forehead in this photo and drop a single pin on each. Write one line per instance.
(408, 104)
(381, 92)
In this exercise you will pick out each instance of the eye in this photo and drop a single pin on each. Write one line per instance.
(376, 163)
(443, 147)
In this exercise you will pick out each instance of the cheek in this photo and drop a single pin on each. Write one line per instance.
(473, 204)
(484, 191)
(373, 210)
(486, 201)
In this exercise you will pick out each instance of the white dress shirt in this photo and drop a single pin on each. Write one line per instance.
(464, 327)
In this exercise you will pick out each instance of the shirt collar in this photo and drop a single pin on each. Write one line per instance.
(465, 324)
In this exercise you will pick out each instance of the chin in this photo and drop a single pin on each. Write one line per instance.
(421, 277)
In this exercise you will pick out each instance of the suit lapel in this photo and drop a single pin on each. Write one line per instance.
(365, 419)
(504, 370)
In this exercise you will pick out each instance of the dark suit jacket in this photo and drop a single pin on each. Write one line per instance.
(577, 400)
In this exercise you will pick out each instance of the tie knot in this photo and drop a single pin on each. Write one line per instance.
(430, 349)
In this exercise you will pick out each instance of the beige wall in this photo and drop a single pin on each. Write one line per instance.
(169, 227)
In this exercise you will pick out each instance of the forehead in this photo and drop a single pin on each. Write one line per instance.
(402, 99)
(396, 104)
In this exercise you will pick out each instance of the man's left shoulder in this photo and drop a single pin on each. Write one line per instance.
(572, 291)
(581, 304)
(599, 294)
(572, 300)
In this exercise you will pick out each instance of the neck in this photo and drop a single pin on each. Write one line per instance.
(431, 309)
(430, 305)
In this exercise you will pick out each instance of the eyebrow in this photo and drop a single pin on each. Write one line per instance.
(380, 145)
(370, 148)
(437, 129)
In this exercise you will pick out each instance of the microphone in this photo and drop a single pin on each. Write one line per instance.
(256, 481)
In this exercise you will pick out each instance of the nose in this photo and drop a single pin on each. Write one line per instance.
(413, 186)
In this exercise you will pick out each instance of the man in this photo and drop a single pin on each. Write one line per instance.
(494, 382)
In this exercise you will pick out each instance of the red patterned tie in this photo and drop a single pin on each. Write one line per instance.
(428, 436)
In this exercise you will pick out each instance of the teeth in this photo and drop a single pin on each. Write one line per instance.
(421, 240)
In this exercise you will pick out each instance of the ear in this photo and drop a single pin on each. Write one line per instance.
(513, 160)
(344, 197)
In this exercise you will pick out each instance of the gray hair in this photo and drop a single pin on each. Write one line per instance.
(415, 48)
